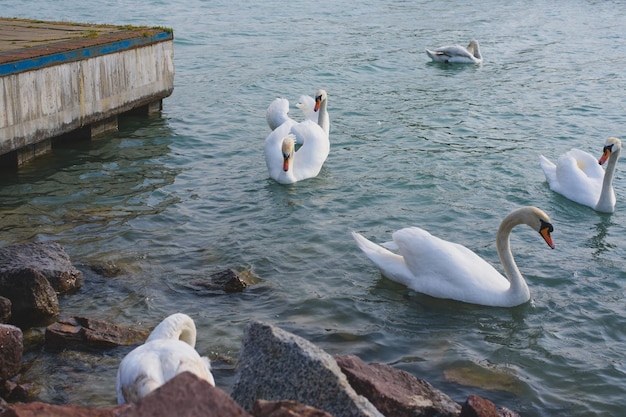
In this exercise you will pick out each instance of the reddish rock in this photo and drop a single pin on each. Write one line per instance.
(80, 332)
(47, 258)
(186, 395)
(12, 347)
(32, 297)
(262, 408)
(395, 392)
(5, 310)
(476, 406)
(48, 410)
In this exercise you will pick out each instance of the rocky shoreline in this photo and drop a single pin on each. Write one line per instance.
(278, 373)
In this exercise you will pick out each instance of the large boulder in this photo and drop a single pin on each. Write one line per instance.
(81, 333)
(32, 297)
(395, 392)
(186, 395)
(277, 365)
(48, 258)
(12, 347)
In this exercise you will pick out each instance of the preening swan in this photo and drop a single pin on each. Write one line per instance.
(578, 176)
(457, 54)
(168, 351)
(443, 269)
(287, 165)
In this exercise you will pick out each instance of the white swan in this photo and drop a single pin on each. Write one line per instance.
(578, 176)
(457, 54)
(448, 270)
(286, 165)
(277, 112)
(168, 351)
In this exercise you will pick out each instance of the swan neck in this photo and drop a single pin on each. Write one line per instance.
(503, 245)
(322, 118)
(607, 196)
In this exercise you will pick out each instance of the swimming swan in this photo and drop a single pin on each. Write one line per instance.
(168, 351)
(287, 165)
(578, 176)
(277, 112)
(457, 54)
(448, 270)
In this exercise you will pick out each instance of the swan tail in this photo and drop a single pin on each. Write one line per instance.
(549, 169)
(390, 264)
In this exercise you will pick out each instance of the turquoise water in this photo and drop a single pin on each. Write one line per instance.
(172, 199)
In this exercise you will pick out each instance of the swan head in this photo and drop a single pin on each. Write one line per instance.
(288, 150)
(533, 217)
(612, 146)
(320, 96)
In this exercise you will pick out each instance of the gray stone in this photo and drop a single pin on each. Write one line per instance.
(11, 342)
(48, 258)
(276, 365)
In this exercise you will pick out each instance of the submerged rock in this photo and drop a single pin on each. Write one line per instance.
(228, 281)
(277, 365)
(395, 392)
(80, 332)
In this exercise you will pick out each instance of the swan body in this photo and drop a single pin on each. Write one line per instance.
(442, 269)
(168, 351)
(578, 176)
(286, 165)
(457, 54)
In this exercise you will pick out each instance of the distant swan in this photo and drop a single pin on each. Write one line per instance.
(168, 351)
(457, 54)
(442, 269)
(578, 176)
(287, 165)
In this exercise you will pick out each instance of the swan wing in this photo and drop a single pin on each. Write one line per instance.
(390, 264)
(577, 176)
(151, 365)
(310, 158)
(452, 53)
(277, 113)
(445, 269)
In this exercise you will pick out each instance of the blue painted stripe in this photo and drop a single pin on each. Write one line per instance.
(82, 53)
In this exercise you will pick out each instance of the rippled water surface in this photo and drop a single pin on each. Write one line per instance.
(173, 198)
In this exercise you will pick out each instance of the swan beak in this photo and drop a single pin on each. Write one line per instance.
(318, 102)
(546, 229)
(286, 159)
(606, 152)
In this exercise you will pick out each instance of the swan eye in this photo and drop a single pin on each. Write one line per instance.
(546, 225)
(608, 148)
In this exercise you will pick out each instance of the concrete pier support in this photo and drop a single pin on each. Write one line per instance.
(78, 84)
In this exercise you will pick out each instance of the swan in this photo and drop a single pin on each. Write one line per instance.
(457, 54)
(287, 165)
(168, 351)
(442, 269)
(277, 112)
(578, 176)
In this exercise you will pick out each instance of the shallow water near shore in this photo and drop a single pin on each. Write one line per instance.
(173, 198)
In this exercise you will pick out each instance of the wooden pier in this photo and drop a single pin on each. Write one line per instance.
(60, 79)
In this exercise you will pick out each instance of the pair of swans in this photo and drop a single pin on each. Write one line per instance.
(442, 269)
(168, 351)
(456, 54)
(578, 176)
(285, 164)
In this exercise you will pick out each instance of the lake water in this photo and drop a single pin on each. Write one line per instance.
(174, 198)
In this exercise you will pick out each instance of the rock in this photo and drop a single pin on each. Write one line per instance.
(396, 392)
(262, 408)
(186, 395)
(12, 391)
(38, 409)
(48, 258)
(32, 297)
(277, 365)
(5, 310)
(80, 332)
(11, 342)
(476, 406)
(227, 281)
